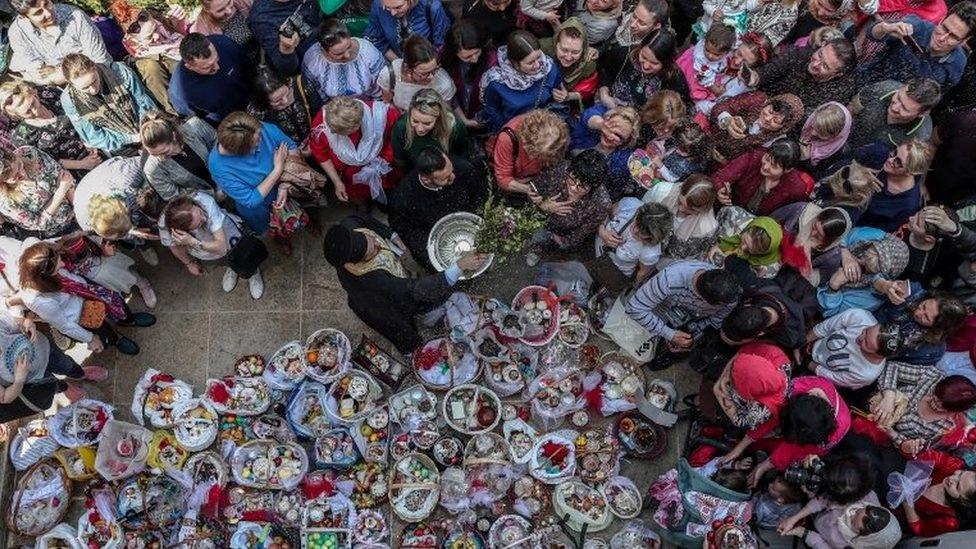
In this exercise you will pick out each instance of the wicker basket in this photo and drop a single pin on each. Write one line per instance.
(39, 476)
(195, 433)
(486, 449)
(457, 361)
(321, 341)
(340, 391)
(534, 295)
(276, 372)
(623, 497)
(569, 461)
(263, 448)
(412, 499)
(465, 396)
(255, 389)
(206, 467)
(510, 532)
(597, 519)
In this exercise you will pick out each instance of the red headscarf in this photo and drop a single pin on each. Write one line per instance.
(758, 375)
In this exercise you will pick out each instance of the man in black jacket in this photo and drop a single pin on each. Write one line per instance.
(439, 185)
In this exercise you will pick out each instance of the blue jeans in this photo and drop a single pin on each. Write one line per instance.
(60, 363)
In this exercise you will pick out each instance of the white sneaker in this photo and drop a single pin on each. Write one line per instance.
(149, 256)
(256, 285)
(230, 281)
(148, 294)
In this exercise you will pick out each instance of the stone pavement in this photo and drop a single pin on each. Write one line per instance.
(201, 331)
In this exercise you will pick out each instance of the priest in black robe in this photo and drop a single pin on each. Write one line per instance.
(437, 186)
(366, 255)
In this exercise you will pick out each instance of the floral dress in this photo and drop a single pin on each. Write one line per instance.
(25, 204)
(295, 119)
(59, 139)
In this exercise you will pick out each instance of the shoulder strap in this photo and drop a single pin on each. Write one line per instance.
(515, 142)
(301, 92)
(389, 65)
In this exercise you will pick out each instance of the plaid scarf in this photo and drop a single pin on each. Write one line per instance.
(112, 109)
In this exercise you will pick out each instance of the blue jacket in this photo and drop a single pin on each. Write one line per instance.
(214, 96)
(502, 103)
(428, 19)
(239, 176)
(899, 62)
(105, 139)
(266, 18)
(837, 301)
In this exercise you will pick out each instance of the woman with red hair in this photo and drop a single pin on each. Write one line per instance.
(918, 408)
(153, 41)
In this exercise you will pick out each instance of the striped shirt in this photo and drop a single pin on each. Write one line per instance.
(916, 381)
(668, 302)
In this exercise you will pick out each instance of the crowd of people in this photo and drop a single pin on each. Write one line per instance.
(776, 190)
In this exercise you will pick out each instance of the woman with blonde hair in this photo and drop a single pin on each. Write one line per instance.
(823, 138)
(849, 187)
(37, 120)
(249, 164)
(352, 141)
(227, 17)
(527, 145)
(176, 154)
(35, 192)
(75, 307)
(428, 122)
(114, 203)
(901, 188)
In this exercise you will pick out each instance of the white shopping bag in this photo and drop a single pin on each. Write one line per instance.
(635, 341)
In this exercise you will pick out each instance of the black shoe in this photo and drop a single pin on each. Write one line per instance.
(141, 320)
(126, 346)
(664, 360)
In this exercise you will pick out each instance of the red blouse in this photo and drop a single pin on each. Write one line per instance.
(742, 175)
(935, 519)
(322, 151)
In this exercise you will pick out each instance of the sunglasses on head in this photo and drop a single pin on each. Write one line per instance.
(426, 101)
(137, 24)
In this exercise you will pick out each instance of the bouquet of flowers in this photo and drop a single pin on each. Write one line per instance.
(506, 230)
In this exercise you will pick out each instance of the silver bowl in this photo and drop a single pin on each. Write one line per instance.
(452, 237)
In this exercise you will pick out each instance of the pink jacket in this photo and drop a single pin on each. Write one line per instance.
(787, 452)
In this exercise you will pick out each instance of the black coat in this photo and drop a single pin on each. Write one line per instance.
(386, 303)
(415, 209)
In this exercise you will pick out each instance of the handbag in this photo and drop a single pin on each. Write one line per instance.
(247, 252)
(637, 342)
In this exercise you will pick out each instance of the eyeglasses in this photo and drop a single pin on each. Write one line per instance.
(137, 24)
(425, 74)
(575, 184)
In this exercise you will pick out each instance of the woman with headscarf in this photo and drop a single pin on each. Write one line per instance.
(861, 525)
(823, 137)
(523, 79)
(752, 389)
(818, 233)
(692, 205)
(578, 67)
(871, 260)
(751, 120)
(757, 240)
